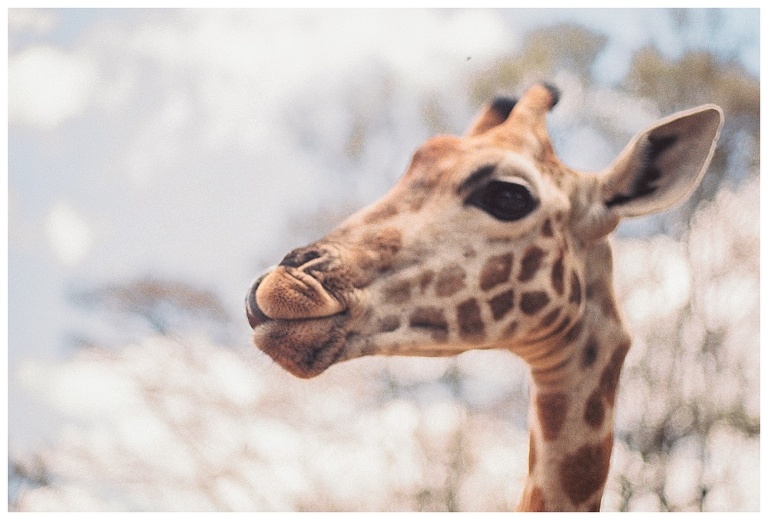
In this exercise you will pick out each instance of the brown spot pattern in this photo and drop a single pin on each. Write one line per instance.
(583, 473)
(574, 332)
(397, 292)
(415, 199)
(423, 184)
(589, 355)
(557, 275)
(425, 279)
(502, 303)
(449, 281)
(531, 263)
(605, 393)
(496, 271)
(609, 380)
(469, 319)
(594, 412)
(551, 410)
(430, 318)
(531, 452)
(546, 229)
(550, 318)
(390, 323)
(385, 244)
(533, 302)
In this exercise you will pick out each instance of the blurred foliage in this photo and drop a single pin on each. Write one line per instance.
(689, 404)
(25, 474)
(163, 305)
(559, 47)
(169, 425)
(669, 83)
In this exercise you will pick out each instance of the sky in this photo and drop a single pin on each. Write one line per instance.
(193, 144)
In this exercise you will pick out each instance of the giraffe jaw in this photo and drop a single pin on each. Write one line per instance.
(304, 344)
(304, 348)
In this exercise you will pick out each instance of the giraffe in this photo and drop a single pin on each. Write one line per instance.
(488, 241)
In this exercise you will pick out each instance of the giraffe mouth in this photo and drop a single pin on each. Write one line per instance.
(252, 311)
(288, 293)
(304, 343)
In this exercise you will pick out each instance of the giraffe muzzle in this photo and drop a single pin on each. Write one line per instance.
(288, 293)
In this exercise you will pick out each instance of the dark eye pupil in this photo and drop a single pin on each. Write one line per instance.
(505, 201)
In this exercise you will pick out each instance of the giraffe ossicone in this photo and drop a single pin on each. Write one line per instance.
(489, 241)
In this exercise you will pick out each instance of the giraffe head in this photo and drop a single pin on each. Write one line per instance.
(483, 242)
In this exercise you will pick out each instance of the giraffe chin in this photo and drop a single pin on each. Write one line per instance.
(304, 347)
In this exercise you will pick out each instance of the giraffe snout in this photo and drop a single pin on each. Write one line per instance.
(300, 287)
(289, 293)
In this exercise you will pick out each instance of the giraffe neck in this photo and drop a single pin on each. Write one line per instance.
(572, 401)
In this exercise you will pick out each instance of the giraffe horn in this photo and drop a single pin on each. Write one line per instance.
(526, 124)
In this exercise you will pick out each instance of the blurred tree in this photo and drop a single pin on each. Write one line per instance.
(688, 398)
(163, 305)
(545, 51)
(24, 475)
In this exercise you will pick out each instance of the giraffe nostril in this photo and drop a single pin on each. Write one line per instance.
(312, 259)
(299, 257)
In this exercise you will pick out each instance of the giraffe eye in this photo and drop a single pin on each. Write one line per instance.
(506, 201)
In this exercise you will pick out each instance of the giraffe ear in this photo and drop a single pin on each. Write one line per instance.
(492, 114)
(663, 164)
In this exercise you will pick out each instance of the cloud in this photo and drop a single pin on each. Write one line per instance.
(46, 86)
(35, 21)
(69, 235)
